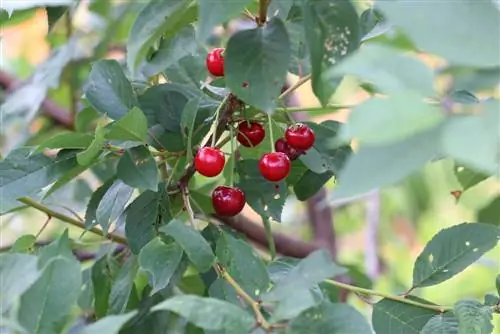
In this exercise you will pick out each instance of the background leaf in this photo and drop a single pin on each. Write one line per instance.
(110, 324)
(137, 168)
(214, 12)
(473, 317)
(451, 251)
(112, 204)
(123, 286)
(142, 215)
(442, 324)
(490, 213)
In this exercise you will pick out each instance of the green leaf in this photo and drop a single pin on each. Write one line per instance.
(330, 318)
(441, 324)
(86, 157)
(137, 168)
(266, 198)
(473, 317)
(280, 9)
(101, 282)
(310, 271)
(214, 12)
(18, 272)
(109, 325)
(133, 126)
(160, 260)
(220, 289)
(497, 284)
(479, 149)
(112, 204)
(23, 244)
(257, 77)
(155, 19)
(379, 166)
(171, 51)
(332, 32)
(428, 26)
(23, 174)
(467, 177)
(383, 121)
(108, 90)
(142, 215)
(85, 118)
(208, 313)
(309, 184)
(394, 317)
(490, 213)
(300, 58)
(45, 306)
(464, 97)
(196, 247)
(67, 140)
(188, 120)
(189, 70)
(122, 286)
(491, 300)
(243, 264)
(451, 251)
(388, 69)
(95, 199)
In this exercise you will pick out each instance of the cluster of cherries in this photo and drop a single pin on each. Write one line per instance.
(273, 166)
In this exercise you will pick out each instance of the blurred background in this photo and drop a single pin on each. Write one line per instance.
(380, 234)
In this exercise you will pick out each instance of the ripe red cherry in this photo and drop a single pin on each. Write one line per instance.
(250, 133)
(215, 62)
(281, 145)
(300, 136)
(274, 166)
(209, 161)
(228, 201)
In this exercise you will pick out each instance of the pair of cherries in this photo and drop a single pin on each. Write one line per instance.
(274, 166)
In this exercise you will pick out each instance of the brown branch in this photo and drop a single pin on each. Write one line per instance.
(50, 109)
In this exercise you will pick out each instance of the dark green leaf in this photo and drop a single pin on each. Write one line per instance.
(109, 325)
(214, 12)
(491, 300)
(291, 305)
(309, 184)
(108, 90)
(101, 282)
(497, 284)
(300, 62)
(189, 70)
(332, 32)
(257, 77)
(243, 264)
(171, 51)
(23, 244)
(196, 247)
(54, 14)
(473, 317)
(378, 166)
(45, 306)
(133, 126)
(441, 324)
(307, 274)
(95, 199)
(220, 289)
(137, 168)
(160, 260)
(155, 19)
(383, 121)
(18, 272)
(428, 26)
(112, 204)
(467, 177)
(394, 317)
(141, 218)
(67, 140)
(208, 313)
(479, 149)
(85, 118)
(452, 250)
(188, 120)
(86, 157)
(280, 9)
(330, 318)
(490, 213)
(369, 19)
(267, 198)
(122, 286)
(23, 174)
(464, 97)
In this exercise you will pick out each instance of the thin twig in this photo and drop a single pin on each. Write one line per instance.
(295, 86)
(187, 203)
(47, 221)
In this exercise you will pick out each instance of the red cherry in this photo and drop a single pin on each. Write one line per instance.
(274, 166)
(228, 201)
(281, 145)
(250, 133)
(300, 136)
(215, 62)
(209, 161)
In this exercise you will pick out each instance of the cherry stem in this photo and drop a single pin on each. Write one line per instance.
(271, 135)
(47, 221)
(233, 157)
(294, 87)
(187, 204)
(269, 237)
(213, 129)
